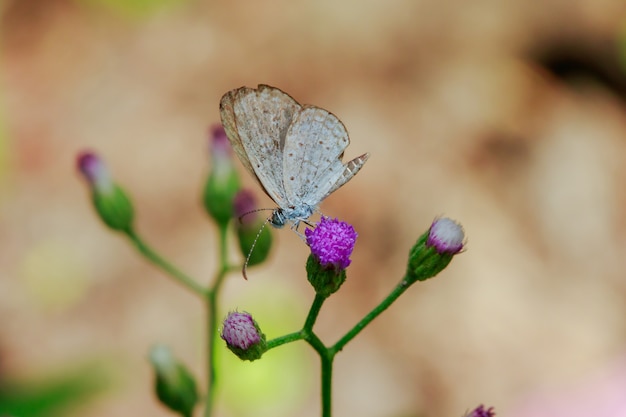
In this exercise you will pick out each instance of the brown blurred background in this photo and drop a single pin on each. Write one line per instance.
(509, 116)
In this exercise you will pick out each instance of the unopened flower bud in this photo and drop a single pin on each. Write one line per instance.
(223, 181)
(331, 243)
(480, 411)
(255, 240)
(243, 336)
(434, 250)
(110, 201)
(174, 385)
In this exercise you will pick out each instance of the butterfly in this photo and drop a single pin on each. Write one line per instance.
(294, 151)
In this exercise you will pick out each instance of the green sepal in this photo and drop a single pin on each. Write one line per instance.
(253, 352)
(424, 261)
(174, 385)
(219, 193)
(114, 208)
(257, 251)
(325, 281)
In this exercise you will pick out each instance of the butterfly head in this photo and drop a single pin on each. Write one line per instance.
(294, 214)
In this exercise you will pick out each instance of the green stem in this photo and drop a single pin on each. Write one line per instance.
(288, 338)
(211, 299)
(314, 312)
(397, 291)
(211, 309)
(327, 379)
(171, 270)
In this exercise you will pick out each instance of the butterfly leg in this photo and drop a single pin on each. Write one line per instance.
(294, 228)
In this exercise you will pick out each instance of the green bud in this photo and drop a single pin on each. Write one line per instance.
(243, 336)
(174, 385)
(114, 208)
(259, 251)
(255, 240)
(223, 181)
(325, 280)
(110, 201)
(434, 250)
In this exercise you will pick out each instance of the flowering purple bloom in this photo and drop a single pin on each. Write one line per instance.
(332, 242)
(220, 146)
(95, 171)
(239, 331)
(244, 206)
(446, 236)
(481, 412)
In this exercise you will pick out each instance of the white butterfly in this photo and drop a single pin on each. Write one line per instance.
(295, 152)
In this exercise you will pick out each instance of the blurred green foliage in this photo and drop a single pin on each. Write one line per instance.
(54, 395)
(280, 382)
(133, 8)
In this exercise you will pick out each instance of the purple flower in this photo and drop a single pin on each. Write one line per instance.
(244, 206)
(95, 171)
(481, 412)
(220, 146)
(239, 331)
(331, 243)
(446, 236)
(243, 336)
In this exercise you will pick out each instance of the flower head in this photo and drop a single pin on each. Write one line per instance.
(332, 243)
(110, 201)
(446, 236)
(243, 336)
(480, 411)
(223, 181)
(95, 171)
(244, 206)
(434, 250)
(219, 144)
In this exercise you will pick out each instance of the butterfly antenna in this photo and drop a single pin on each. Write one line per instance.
(256, 238)
(240, 218)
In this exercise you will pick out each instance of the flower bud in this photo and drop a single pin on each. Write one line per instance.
(481, 412)
(174, 385)
(434, 250)
(110, 201)
(243, 336)
(255, 240)
(331, 244)
(223, 181)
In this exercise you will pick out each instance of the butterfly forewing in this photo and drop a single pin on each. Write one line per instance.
(256, 123)
(313, 150)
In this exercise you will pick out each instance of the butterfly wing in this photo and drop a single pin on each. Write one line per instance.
(313, 152)
(351, 169)
(256, 123)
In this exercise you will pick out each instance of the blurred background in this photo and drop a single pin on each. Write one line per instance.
(509, 116)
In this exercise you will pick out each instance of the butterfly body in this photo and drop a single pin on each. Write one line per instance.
(281, 216)
(294, 151)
